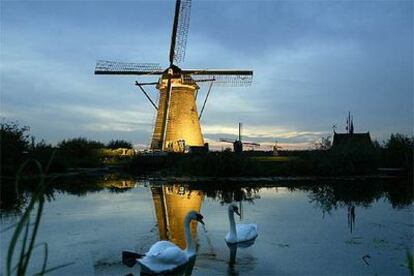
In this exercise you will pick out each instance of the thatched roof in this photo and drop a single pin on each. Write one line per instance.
(352, 140)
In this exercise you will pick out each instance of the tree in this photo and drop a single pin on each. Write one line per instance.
(80, 153)
(116, 144)
(14, 146)
(399, 151)
(79, 147)
(324, 144)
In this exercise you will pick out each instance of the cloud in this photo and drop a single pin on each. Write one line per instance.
(259, 131)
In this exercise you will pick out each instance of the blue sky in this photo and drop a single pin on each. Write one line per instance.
(313, 62)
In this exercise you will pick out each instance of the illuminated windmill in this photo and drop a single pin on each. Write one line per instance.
(177, 121)
(238, 144)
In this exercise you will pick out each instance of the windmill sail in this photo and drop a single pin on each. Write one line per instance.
(251, 144)
(220, 77)
(104, 67)
(180, 30)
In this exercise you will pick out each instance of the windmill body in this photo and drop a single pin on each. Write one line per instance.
(183, 127)
(177, 124)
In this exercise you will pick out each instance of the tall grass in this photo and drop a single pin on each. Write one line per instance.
(410, 261)
(25, 230)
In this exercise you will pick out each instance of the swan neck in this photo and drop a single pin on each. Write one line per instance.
(232, 224)
(188, 239)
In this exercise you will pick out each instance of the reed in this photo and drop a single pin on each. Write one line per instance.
(410, 261)
(26, 231)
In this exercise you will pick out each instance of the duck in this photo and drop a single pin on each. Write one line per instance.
(240, 233)
(164, 256)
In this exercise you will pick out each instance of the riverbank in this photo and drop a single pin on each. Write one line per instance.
(186, 179)
(118, 172)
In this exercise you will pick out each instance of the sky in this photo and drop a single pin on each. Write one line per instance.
(313, 61)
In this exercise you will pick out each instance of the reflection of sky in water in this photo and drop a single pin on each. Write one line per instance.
(295, 235)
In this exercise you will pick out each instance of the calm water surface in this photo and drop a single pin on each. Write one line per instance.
(315, 230)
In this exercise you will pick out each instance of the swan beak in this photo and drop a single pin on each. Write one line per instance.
(237, 212)
(200, 219)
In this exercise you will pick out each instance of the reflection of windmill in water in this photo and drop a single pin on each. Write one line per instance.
(351, 217)
(177, 120)
(171, 204)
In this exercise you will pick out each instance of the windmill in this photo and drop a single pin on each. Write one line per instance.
(276, 148)
(177, 121)
(238, 144)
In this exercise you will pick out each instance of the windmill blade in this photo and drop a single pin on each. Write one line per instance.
(251, 144)
(226, 140)
(104, 67)
(180, 30)
(220, 77)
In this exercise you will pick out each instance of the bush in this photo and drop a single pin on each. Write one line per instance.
(80, 152)
(398, 151)
(42, 153)
(116, 144)
(14, 146)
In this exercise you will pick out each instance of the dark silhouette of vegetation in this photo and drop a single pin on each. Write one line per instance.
(346, 160)
(115, 144)
(398, 152)
(206, 164)
(80, 152)
(410, 262)
(17, 146)
(217, 164)
(15, 141)
(78, 147)
(324, 144)
(25, 230)
(342, 161)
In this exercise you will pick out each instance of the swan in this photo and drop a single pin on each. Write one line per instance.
(165, 256)
(239, 233)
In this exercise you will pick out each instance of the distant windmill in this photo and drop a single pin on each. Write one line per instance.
(238, 144)
(276, 149)
(177, 120)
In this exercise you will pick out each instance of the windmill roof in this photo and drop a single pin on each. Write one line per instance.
(351, 140)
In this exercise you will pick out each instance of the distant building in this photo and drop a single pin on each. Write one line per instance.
(351, 140)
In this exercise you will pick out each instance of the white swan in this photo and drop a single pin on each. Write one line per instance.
(241, 232)
(165, 256)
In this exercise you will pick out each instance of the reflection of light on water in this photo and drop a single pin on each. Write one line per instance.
(172, 203)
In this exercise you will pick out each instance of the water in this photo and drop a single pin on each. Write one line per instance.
(346, 228)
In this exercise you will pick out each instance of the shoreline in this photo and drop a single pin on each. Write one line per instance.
(104, 171)
(192, 179)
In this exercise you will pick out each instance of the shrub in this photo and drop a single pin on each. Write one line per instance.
(80, 152)
(116, 144)
(14, 146)
(398, 151)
